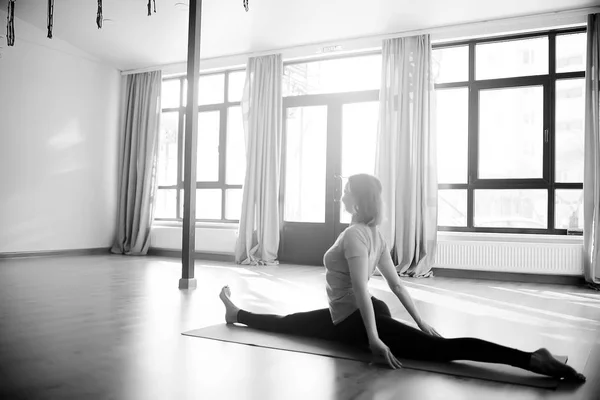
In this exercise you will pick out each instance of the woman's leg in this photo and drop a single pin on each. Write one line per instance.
(315, 323)
(352, 329)
(380, 308)
(408, 342)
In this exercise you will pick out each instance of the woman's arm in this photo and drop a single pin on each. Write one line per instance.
(356, 254)
(388, 270)
(359, 276)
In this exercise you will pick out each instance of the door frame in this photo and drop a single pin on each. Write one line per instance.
(325, 233)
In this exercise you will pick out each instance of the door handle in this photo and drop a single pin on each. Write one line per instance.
(337, 192)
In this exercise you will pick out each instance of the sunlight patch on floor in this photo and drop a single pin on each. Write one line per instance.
(565, 338)
(548, 313)
(591, 295)
(478, 308)
(566, 296)
(236, 269)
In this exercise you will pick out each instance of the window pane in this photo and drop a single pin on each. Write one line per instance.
(511, 58)
(570, 120)
(207, 162)
(511, 208)
(208, 203)
(236, 86)
(211, 90)
(511, 133)
(452, 207)
(166, 168)
(207, 167)
(571, 52)
(306, 145)
(569, 209)
(170, 93)
(236, 148)
(452, 124)
(332, 76)
(233, 203)
(359, 137)
(451, 64)
(166, 203)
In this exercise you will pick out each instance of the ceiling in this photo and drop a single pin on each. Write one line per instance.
(134, 40)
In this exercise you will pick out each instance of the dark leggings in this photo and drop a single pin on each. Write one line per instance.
(404, 341)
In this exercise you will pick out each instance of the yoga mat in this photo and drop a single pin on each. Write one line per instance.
(299, 344)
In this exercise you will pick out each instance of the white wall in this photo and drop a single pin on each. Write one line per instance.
(59, 118)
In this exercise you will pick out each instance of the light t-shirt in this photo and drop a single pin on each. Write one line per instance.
(359, 240)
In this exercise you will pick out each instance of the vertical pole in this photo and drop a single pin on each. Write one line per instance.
(188, 247)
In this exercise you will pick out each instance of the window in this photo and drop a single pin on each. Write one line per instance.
(331, 110)
(221, 150)
(306, 161)
(337, 75)
(451, 64)
(510, 116)
(511, 58)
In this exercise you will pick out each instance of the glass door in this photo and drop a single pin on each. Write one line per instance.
(306, 228)
(324, 143)
(359, 138)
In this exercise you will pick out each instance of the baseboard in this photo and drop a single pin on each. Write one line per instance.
(57, 253)
(509, 276)
(198, 256)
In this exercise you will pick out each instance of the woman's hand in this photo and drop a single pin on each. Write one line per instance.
(382, 354)
(429, 330)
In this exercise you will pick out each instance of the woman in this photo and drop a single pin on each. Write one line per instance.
(358, 319)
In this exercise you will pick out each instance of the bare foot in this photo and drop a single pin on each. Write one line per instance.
(231, 310)
(543, 362)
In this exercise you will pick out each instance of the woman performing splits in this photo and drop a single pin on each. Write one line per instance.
(358, 319)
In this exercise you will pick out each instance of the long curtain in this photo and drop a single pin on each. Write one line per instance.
(591, 180)
(139, 148)
(258, 240)
(406, 154)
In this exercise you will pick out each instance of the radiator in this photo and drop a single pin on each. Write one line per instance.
(533, 258)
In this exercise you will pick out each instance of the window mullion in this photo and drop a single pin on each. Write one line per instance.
(223, 146)
(472, 136)
(180, 130)
(223, 154)
(550, 124)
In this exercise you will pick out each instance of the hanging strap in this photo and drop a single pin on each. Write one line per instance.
(150, 2)
(99, 15)
(50, 18)
(10, 28)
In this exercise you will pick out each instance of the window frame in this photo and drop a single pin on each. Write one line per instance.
(221, 183)
(473, 86)
(548, 82)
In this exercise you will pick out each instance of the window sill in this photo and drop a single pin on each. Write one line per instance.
(211, 225)
(443, 236)
(446, 236)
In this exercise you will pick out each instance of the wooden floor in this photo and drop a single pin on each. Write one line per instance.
(109, 327)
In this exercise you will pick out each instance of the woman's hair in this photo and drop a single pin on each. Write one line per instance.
(366, 190)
